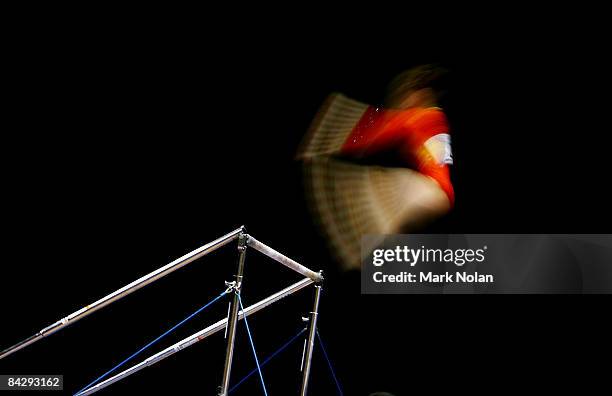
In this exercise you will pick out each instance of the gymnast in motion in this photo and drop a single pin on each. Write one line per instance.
(379, 170)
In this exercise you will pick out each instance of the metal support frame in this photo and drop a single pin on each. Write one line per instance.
(312, 331)
(230, 322)
(199, 336)
(233, 317)
(125, 290)
(284, 260)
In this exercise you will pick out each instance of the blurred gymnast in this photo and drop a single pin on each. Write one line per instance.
(373, 170)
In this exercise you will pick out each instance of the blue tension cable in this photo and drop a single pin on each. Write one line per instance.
(176, 326)
(246, 324)
(331, 368)
(268, 359)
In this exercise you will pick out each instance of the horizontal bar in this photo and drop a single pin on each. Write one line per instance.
(284, 260)
(125, 290)
(199, 336)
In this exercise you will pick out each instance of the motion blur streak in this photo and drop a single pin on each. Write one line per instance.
(350, 199)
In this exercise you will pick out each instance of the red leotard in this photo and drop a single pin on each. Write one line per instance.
(403, 131)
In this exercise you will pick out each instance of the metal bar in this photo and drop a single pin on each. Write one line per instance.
(284, 260)
(125, 290)
(311, 339)
(200, 335)
(233, 318)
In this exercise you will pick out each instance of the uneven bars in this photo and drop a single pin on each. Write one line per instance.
(125, 290)
(199, 336)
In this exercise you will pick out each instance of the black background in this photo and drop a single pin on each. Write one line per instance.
(123, 151)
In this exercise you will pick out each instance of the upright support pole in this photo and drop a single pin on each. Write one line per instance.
(233, 318)
(199, 336)
(311, 339)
